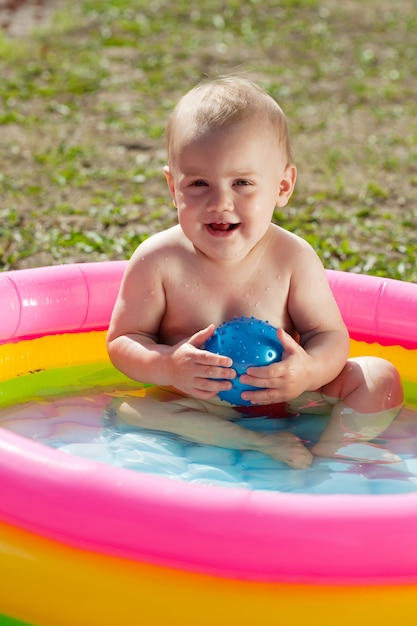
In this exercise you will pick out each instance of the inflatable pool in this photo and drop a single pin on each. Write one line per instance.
(86, 543)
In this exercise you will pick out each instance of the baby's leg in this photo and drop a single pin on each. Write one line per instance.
(367, 395)
(196, 421)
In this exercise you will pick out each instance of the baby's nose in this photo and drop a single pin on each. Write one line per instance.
(221, 200)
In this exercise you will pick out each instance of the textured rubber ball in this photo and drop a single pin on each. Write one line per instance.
(248, 342)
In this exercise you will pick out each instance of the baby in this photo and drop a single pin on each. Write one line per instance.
(229, 166)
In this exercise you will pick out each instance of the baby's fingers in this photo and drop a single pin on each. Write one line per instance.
(211, 386)
(263, 375)
(264, 396)
(200, 337)
(209, 359)
(218, 368)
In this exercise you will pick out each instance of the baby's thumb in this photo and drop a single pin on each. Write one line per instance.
(199, 338)
(288, 343)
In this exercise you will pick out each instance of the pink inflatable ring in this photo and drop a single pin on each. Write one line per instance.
(90, 544)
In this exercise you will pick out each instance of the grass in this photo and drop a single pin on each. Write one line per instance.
(84, 102)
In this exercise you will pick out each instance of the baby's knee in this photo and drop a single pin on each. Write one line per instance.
(368, 384)
(384, 377)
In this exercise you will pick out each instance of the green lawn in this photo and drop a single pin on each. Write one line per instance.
(83, 106)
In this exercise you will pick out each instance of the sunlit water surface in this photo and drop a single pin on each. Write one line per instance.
(80, 426)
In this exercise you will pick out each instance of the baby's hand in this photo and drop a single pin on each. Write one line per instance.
(197, 372)
(282, 381)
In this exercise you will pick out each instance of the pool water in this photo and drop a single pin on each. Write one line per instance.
(80, 426)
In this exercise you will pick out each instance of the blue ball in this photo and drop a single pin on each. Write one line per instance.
(248, 342)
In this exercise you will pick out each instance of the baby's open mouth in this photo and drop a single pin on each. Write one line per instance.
(222, 226)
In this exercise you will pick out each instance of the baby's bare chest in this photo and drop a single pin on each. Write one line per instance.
(200, 299)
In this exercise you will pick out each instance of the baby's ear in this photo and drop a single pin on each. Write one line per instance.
(170, 181)
(287, 184)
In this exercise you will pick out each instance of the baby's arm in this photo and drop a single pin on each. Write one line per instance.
(324, 341)
(132, 338)
(184, 366)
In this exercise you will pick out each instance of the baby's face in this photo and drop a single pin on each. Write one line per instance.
(226, 184)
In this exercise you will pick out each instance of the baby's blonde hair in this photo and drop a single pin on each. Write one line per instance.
(226, 101)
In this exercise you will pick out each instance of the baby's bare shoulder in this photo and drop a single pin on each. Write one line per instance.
(170, 237)
(164, 245)
(287, 243)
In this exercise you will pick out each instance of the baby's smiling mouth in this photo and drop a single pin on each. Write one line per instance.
(222, 226)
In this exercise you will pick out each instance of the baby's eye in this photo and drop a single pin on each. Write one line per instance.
(242, 182)
(199, 183)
